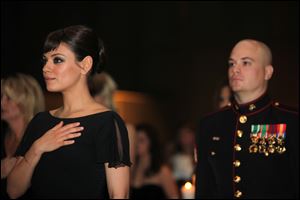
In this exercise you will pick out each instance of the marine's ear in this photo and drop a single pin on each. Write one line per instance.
(268, 72)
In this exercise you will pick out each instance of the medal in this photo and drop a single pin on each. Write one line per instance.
(271, 148)
(253, 148)
(267, 138)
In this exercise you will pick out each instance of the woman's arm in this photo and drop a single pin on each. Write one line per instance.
(6, 166)
(117, 181)
(19, 179)
(168, 183)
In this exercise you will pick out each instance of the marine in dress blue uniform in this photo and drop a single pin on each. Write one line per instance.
(248, 149)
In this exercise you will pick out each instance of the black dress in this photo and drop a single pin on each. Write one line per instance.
(148, 191)
(77, 170)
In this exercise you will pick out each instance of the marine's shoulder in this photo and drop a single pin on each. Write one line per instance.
(283, 108)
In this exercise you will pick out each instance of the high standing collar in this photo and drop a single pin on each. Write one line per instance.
(253, 106)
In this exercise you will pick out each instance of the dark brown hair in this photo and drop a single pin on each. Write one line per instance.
(82, 40)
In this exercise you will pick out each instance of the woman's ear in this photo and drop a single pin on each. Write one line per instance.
(268, 72)
(86, 64)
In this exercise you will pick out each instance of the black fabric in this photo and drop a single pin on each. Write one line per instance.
(148, 191)
(77, 170)
(273, 176)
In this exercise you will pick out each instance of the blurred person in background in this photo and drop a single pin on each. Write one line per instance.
(151, 176)
(222, 95)
(102, 88)
(21, 98)
(182, 160)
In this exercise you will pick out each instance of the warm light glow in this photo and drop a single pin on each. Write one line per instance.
(188, 191)
(188, 185)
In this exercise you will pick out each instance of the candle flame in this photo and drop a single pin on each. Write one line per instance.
(188, 185)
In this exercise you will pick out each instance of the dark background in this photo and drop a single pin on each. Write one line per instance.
(174, 51)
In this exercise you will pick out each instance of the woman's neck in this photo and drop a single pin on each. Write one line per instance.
(16, 127)
(76, 100)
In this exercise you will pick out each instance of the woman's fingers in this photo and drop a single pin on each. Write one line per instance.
(57, 126)
(70, 136)
(68, 142)
(73, 130)
(69, 132)
(69, 126)
(67, 138)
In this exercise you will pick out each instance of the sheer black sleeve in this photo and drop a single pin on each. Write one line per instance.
(112, 143)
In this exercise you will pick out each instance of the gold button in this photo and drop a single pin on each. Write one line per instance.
(239, 133)
(238, 194)
(236, 163)
(237, 147)
(252, 107)
(243, 119)
(212, 153)
(237, 179)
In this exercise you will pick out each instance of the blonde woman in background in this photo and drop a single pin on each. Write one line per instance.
(21, 99)
(103, 88)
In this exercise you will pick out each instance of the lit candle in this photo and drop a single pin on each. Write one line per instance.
(188, 191)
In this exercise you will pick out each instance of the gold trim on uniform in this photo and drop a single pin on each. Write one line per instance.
(243, 119)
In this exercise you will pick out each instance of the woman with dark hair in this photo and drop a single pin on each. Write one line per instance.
(183, 158)
(151, 177)
(223, 95)
(75, 150)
